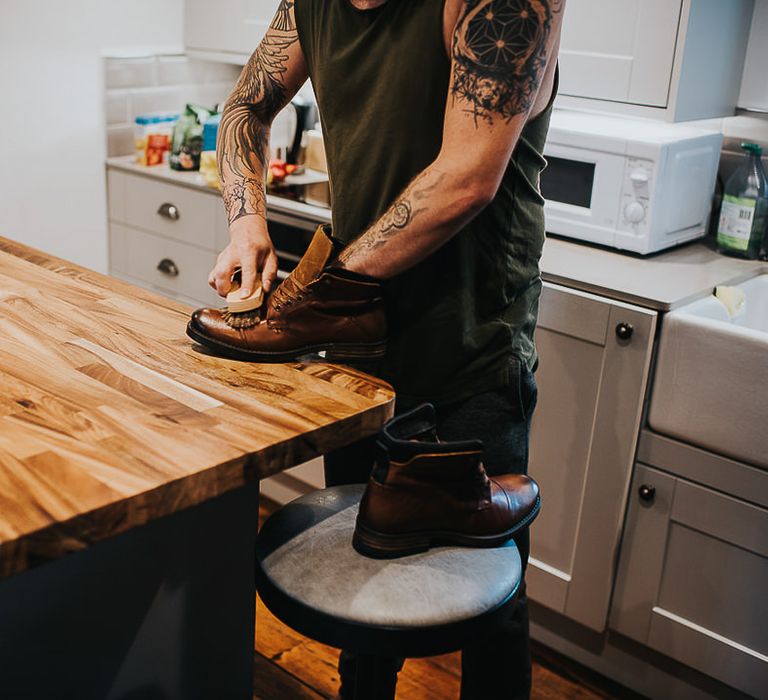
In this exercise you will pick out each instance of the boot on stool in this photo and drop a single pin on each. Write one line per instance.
(424, 493)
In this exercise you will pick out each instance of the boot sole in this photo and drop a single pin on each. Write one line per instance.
(334, 351)
(379, 545)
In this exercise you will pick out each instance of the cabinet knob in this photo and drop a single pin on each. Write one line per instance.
(624, 330)
(169, 211)
(168, 267)
(647, 493)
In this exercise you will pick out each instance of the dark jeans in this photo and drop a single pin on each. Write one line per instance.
(498, 663)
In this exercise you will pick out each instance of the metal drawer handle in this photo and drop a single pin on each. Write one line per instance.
(624, 330)
(647, 493)
(168, 267)
(169, 211)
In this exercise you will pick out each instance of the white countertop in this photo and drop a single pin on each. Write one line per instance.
(662, 281)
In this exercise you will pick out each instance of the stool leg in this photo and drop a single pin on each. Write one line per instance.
(376, 677)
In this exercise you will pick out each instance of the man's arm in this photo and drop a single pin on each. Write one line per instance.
(500, 56)
(274, 73)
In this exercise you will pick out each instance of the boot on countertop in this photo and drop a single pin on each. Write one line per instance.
(423, 493)
(316, 308)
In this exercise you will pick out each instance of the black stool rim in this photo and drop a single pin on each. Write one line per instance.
(367, 638)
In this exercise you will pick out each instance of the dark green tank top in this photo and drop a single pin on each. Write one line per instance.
(458, 320)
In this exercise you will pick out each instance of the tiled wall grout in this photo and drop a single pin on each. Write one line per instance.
(163, 83)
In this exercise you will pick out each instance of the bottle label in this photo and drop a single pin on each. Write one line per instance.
(736, 218)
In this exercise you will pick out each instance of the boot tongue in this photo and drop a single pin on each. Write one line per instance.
(314, 259)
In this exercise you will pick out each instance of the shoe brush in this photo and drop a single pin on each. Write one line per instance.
(243, 312)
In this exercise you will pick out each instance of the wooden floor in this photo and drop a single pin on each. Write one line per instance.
(290, 666)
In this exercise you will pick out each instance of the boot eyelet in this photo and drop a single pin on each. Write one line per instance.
(277, 307)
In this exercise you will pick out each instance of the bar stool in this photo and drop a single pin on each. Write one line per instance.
(426, 604)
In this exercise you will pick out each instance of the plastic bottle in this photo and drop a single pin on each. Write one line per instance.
(744, 214)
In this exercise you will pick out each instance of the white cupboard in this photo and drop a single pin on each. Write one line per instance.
(226, 30)
(669, 59)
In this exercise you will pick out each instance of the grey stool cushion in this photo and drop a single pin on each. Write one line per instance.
(305, 554)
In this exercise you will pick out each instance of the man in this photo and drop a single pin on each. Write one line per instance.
(434, 117)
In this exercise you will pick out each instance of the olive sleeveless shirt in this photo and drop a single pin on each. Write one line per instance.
(460, 320)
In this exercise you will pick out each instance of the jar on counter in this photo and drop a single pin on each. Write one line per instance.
(152, 137)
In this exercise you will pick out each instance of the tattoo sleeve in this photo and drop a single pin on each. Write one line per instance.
(243, 140)
(499, 56)
(407, 207)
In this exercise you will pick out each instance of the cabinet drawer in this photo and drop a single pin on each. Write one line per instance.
(183, 272)
(177, 212)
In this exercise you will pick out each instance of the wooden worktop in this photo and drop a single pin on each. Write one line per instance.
(111, 417)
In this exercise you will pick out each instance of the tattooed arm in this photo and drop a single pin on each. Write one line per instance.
(274, 73)
(503, 58)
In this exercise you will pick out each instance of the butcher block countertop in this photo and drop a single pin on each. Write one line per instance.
(111, 417)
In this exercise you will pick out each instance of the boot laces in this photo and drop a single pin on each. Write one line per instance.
(287, 293)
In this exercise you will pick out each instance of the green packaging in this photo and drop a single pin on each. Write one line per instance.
(187, 141)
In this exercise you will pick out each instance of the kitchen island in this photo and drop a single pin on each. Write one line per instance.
(129, 469)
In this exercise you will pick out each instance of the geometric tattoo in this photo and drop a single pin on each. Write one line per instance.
(499, 56)
(244, 129)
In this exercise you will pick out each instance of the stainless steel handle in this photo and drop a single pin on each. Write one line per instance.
(168, 267)
(169, 211)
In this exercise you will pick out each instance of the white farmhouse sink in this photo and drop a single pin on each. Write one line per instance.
(711, 382)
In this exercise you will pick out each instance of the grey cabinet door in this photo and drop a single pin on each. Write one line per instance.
(693, 578)
(591, 388)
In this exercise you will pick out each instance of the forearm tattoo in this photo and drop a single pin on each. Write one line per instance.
(499, 55)
(398, 217)
(243, 138)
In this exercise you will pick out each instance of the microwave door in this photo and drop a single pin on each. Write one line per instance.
(582, 192)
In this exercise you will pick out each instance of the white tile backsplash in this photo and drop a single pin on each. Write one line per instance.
(156, 99)
(213, 72)
(116, 107)
(162, 83)
(211, 95)
(130, 72)
(174, 70)
(120, 140)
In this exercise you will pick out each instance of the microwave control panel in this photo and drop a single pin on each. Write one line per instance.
(635, 195)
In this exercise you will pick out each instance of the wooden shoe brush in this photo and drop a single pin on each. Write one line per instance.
(243, 312)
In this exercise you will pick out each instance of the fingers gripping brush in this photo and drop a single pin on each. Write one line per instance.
(243, 312)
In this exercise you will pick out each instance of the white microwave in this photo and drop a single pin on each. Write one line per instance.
(633, 184)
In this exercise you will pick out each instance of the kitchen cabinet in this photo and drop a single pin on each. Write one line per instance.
(595, 356)
(669, 59)
(164, 237)
(754, 86)
(228, 30)
(692, 578)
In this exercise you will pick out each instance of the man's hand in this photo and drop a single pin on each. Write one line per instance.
(250, 249)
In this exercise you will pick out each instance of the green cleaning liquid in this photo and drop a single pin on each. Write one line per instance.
(744, 214)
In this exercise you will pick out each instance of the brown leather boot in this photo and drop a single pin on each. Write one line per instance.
(316, 308)
(424, 493)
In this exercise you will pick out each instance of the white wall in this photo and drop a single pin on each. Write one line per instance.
(52, 143)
